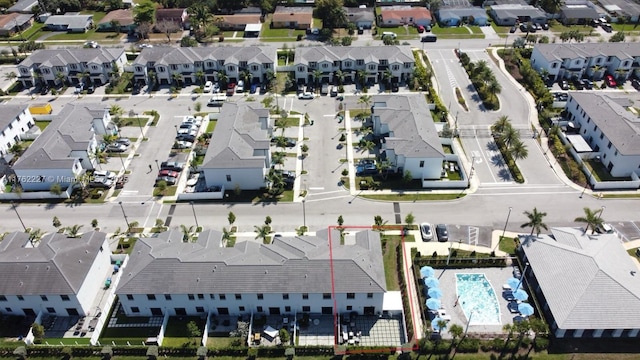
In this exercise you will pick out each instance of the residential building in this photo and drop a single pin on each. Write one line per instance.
(397, 15)
(510, 14)
(455, 13)
(621, 9)
(52, 67)
(611, 131)
(374, 63)
(177, 16)
(581, 13)
(57, 276)
(593, 60)
(292, 17)
(291, 275)
(409, 139)
(65, 149)
(118, 20)
(69, 23)
(234, 62)
(238, 155)
(361, 17)
(238, 21)
(23, 7)
(15, 120)
(571, 272)
(14, 22)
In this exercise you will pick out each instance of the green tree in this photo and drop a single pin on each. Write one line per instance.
(193, 330)
(35, 235)
(409, 219)
(519, 150)
(226, 236)
(592, 218)
(509, 136)
(501, 124)
(365, 100)
(340, 221)
(56, 222)
(262, 232)
(456, 332)
(55, 189)
(268, 220)
(231, 218)
(535, 221)
(187, 233)
(73, 231)
(145, 11)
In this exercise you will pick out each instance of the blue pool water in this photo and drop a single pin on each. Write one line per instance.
(475, 294)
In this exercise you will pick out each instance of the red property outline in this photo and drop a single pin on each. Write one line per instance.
(341, 351)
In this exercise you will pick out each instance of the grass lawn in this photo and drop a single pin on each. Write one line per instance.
(169, 191)
(268, 32)
(317, 23)
(134, 121)
(289, 122)
(89, 35)
(42, 124)
(229, 34)
(211, 126)
(67, 341)
(508, 245)
(500, 29)
(390, 260)
(450, 30)
(475, 29)
(32, 32)
(559, 27)
(600, 172)
(220, 342)
(409, 32)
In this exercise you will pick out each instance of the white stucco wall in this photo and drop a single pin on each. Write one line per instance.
(246, 179)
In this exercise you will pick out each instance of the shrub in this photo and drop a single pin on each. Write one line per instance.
(468, 345)
(540, 343)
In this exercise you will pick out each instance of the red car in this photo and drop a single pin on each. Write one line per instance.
(231, 88)
(167, 172)
(420, 29)
(611, 82)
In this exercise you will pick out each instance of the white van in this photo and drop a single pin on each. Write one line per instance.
(390, 34)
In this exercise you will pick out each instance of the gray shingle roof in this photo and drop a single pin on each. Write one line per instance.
(579, 12)
(166, 265)
(239, 138)
(587, 280)
(621, 50)
(72, 21)
(62, 57)
(23, 6)
(448, 13)
(359, 14)
(630, 8)
(230, 54)
(620, 126)
(10, 113)
(394, 54)
(71, 129)
(58, 265)
(505, 11)
(412, 131)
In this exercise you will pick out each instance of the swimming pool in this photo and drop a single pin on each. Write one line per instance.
(475, 294)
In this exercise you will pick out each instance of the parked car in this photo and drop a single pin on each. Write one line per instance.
(577, 83)
(231, 88)
(366, 169)
(79, 88)
(420, 29)
(168, 179)
(545, 26)
(193, 179)
(610, 81)
(587, 84)
(100, 183)
(115, 148)
(288, 141)
(360, 30)
(564, 85)
(188, 131)
(104, 174)
(426, 232)
(188, 125)
(192, 120)
(186, 137)
(513, 29)
(636, 84)
(182, 145)
(537, 26)
(208, 87)
(91, 45)
(124, 141)
(394, 87)
(240, 86)
(305, 96)
(44, 90)
(171, 165)
(167, 172)
(253, 88)
(604, 228)
(442, 232)
(334, 91)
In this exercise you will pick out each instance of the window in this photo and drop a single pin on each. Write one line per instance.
(73, 66)
(199, 309)
(554, 65)
(44, 298)
(285, 296)
(185, 66)
(306, 309)
(421, 163)
(254, 67)
(191, 297)
(228, 178)
(3, 298)
(313, 64)
(325, 65)
(259, 309)
(220, 62)
(326, 296)
(151, 297)
(198, 64)
(372, 67)
(167, 297)
(11, 127)
(287, 308)
(305, 296)
(349, 307)
(238, 297)
(369, 295)
(209, 63)
(267, 65)
(231, 68)
(360, 62)
(609, 146)
(395, 67)
(260, 296)
(243, 64)
(347, 64)
(135, 309)
(212, 297)
(161, 69)
(222, 297)
(174, 67)
(8, 309)
(64, 297)
(384, 62)
(601, 136)
(51, 310)
(615, 153)
(129, 297)
(351, 296)
(138, 68)
(407, 65)
(241, 308)
(200, 296)
(20, 297)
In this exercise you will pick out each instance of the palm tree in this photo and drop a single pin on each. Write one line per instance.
(340, 76)
(10, 76)
(362, 76)
(596, 71)
(152, 76)
(621, 73)
(317, 74)
(509, 137)
(200, 76)
(73, 231)
(246, 76)
(278, 158)
(591, 218)
(501, 125)
(480, 68)
(176, 77)
(187, 233)
(386, 76)
(35, 235)
(60, 77)
(456, 332)
(365, 100)
(519, 150)
(269, 75)
(535, 221)
(494, 87)
(199, 15)
(262, 232)
(223, 78)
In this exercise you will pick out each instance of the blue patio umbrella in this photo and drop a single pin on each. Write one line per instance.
(434, 293)
(520, 295)
(514, 283)
(431, 282)
(525, 309)
(433, 304)
(427, 271)
(435, 324)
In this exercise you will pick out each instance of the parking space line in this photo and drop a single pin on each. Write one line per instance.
(485, 160)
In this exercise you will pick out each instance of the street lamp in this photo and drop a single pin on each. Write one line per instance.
(602, 208)
(504, 229)
(304, 214)
(125, 215)
(133, 114)
(194, 214)
(13, 206)
(176, 126)
(158, 166)
(588, 179)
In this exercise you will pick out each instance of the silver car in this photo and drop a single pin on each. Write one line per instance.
(426, 231)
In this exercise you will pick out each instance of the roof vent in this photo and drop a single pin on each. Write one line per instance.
(48, 268)
(198, 280)
(21, 283)
(26, 267)
(266, 271)
(86, 251)
(305, 276)
(79, 261)
(291, 14)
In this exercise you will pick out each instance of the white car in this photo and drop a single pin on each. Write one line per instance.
(188, 131)
(182, 145)
(426, 231)
(104, 174)
(305, 96)
(197, 121)
(208, 87)
(216, 88)
(240, 86)
(193, 179)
